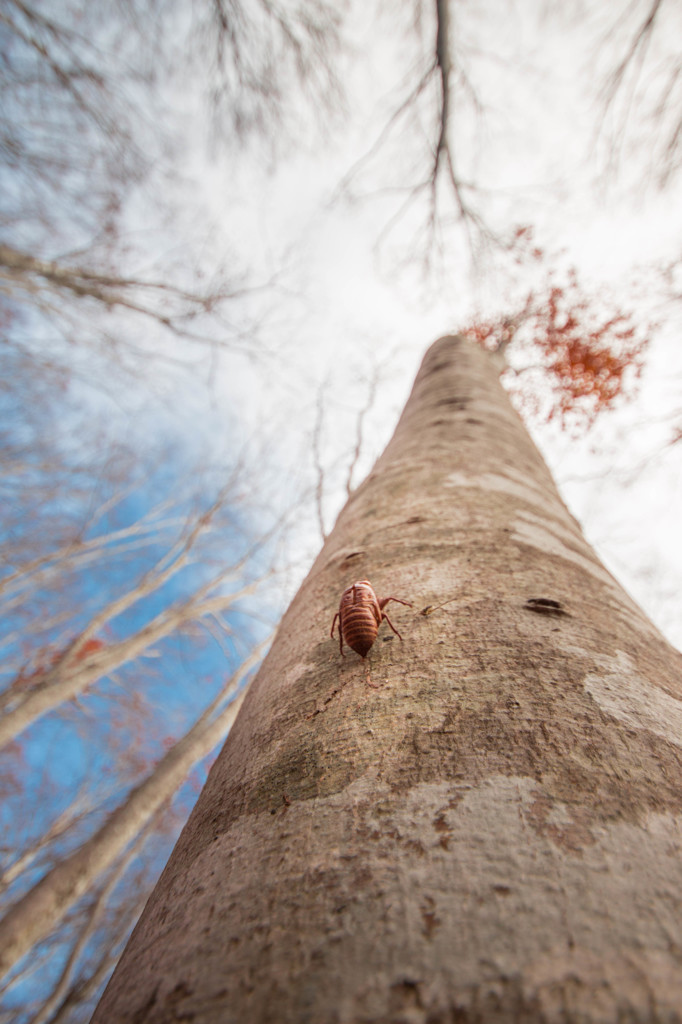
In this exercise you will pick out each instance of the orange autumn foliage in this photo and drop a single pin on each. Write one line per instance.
(589, 356)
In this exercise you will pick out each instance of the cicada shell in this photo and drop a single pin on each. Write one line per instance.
(360, 614)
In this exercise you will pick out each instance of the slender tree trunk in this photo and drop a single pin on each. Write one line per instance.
(491, 830)
(42, 908)
(64, 683)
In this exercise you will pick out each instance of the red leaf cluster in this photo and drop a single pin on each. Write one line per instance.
(589, 355)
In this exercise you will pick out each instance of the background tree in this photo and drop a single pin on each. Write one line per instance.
(117, 580)
(119, 577)
(93, 138)
(643, 90)
(39, 911)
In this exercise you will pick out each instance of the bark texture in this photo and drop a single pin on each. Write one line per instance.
(492, 830)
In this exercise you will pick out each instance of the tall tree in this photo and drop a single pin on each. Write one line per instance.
(107, 592)
(37, 913)
(105, 554)
(491, 829)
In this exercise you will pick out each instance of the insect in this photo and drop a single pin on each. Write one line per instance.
(360, 614)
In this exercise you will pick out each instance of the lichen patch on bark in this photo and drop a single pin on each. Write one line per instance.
(500, 899)
(624, 693)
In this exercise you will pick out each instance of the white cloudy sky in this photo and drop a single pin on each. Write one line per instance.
(352, 299)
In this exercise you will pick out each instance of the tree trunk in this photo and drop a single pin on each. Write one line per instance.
(66, 681)
(491, 830)
(39, 911)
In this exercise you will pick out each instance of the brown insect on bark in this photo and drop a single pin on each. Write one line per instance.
(360, 614)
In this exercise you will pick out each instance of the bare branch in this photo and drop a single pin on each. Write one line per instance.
(90, 925)
(317, 461)
(642, 93)
(84, 988)
(73, 815)
(357, 451)
(441, 75)
(72, 675)
(635, 52)
(37, 913)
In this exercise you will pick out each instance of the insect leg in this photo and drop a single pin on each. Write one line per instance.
(386, 619)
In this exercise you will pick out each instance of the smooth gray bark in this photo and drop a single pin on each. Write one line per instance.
(491, 831)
